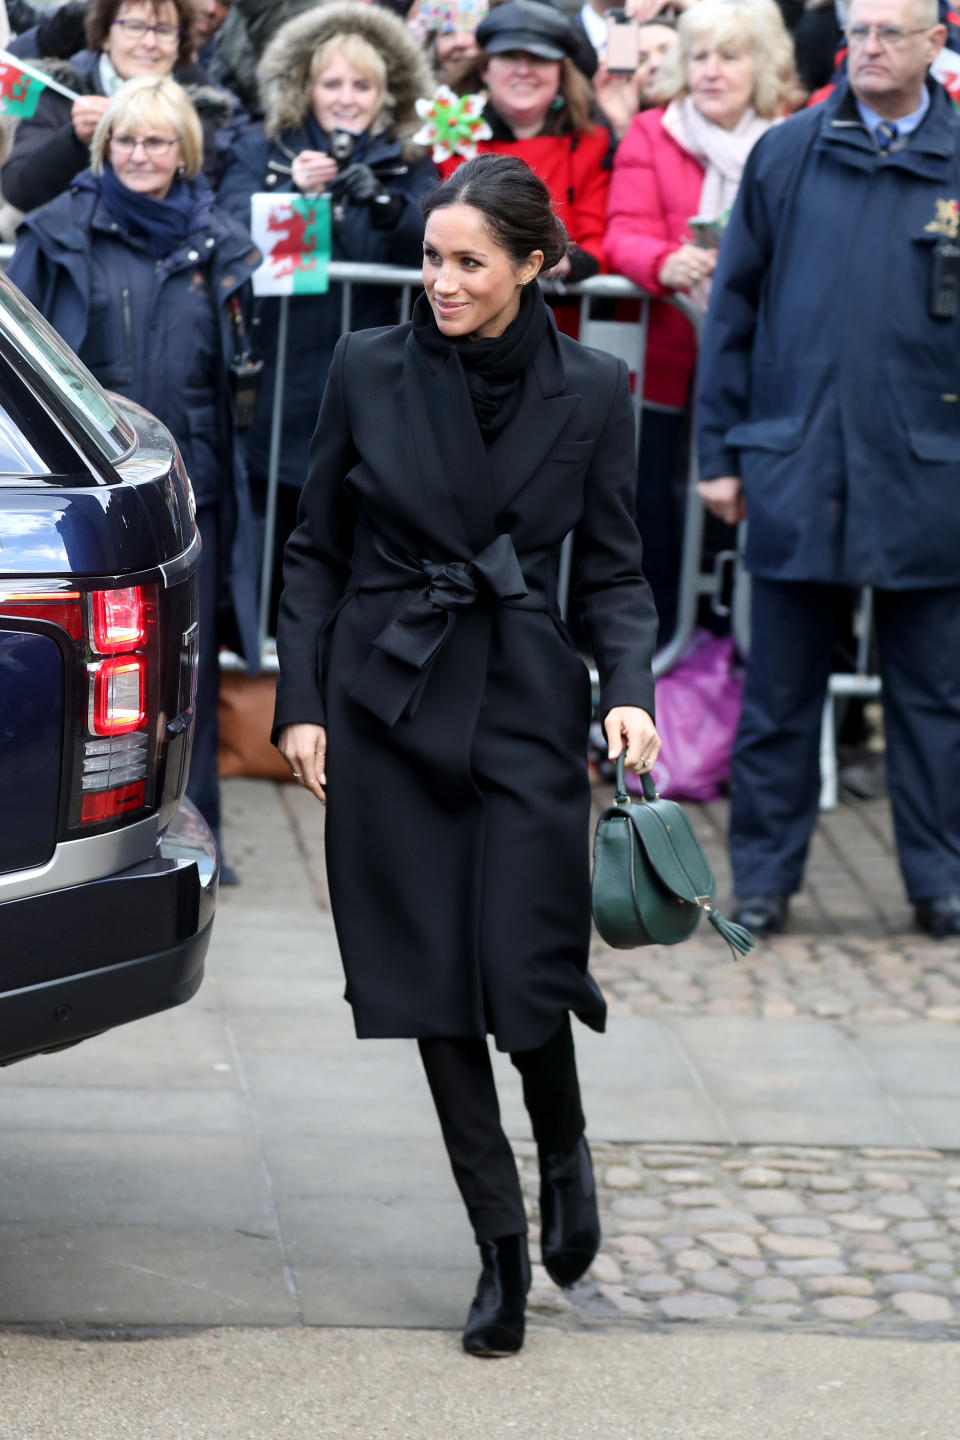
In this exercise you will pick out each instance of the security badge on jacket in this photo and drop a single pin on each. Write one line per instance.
(945, 282)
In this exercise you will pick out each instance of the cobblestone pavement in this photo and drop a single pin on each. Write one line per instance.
(849, 953)
(862, 1240)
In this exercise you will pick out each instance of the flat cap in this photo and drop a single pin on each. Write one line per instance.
(527, 25)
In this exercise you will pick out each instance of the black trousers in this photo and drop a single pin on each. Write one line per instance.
(461, 1081)
(775, 774)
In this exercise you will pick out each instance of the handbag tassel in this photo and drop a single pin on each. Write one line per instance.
(739, 938)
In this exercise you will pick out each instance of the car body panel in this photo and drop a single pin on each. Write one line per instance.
(108, 876)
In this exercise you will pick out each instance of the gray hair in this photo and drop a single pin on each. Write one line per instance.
(753, 27)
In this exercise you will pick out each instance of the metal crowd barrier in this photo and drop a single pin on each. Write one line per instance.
(627, 340)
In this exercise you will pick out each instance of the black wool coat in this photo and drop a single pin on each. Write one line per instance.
(419, 623)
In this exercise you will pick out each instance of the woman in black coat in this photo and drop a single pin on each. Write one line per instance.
(420, 639)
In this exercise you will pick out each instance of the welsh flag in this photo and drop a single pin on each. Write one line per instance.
(21, 87)
(292, 233)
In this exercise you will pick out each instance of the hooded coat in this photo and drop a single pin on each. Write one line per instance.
(263, 162)
(419, 624)
(46, 153)
(825, 382)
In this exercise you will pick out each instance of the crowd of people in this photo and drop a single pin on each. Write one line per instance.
(132, 202)
(821, 245)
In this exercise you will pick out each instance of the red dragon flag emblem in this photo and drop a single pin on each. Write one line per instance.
(293, 235)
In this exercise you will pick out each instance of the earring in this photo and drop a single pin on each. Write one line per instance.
(181, 171)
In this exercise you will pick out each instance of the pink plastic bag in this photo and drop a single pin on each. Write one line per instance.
(698, 707)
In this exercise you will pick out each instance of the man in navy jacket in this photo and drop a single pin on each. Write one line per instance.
(829, 414)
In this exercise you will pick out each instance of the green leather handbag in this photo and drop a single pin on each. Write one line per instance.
(651, 879)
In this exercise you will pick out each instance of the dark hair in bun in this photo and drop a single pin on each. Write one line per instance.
(513, 201)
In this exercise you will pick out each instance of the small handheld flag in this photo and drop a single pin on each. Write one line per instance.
(21, 87)
(292, 233)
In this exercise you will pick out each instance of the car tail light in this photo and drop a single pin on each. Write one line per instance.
(117, 695)
(118, 622)
(108, 804)
(114, 633)
(61, 608)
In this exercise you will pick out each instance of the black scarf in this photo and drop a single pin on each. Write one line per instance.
(161, 225)
(493, 368)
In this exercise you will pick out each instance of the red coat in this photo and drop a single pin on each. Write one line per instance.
(573, 168)
(655, 189)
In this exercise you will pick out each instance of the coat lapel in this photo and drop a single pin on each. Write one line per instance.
(525, 443)
(447, 444)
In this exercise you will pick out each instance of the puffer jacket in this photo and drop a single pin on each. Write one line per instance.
(263, 162)
(655, 189)
(162, 333)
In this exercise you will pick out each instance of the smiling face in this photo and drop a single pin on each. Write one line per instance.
(456, 52)
(653, 42)
(343, 98)
(145, 158)
(208, 16)
(522, 87)
(888, 74)
(148, 54)
(471, 282)
(720, 80)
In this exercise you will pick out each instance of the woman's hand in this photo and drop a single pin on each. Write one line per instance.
(85, 115)
(304, 747)
(617, 97)
(628, 725)
(724, 497)
(687, 266)
(313, 171)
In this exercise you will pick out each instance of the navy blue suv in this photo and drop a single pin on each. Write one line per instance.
(108, 876)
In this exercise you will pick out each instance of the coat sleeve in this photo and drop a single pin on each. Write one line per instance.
(727, 342)
(637, 240)
(46, 155)
(609, 587)
(243, 176)
(402, 242)
(316, 561)
(48, 287)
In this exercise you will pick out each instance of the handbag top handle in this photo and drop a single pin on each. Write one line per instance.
(623, 796)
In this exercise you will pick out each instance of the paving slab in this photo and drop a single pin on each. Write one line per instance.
(109, 1178)
(141, 1274)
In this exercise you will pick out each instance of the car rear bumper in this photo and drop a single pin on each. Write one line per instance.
(78, 961)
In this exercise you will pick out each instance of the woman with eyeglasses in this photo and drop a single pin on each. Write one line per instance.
(150, 285)
(125, 39)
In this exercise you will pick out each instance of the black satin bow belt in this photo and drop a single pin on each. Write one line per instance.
(392, 681)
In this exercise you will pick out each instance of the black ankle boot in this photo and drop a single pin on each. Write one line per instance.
(495, 1323)
(569, 1219)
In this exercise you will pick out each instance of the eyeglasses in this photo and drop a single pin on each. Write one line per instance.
(154, 145)
(889, 36)
(138, 29)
